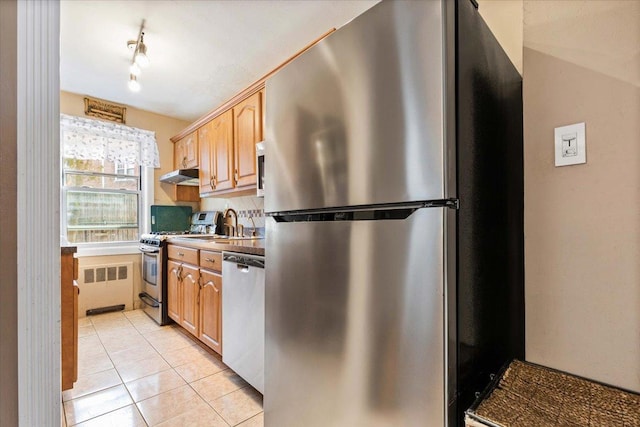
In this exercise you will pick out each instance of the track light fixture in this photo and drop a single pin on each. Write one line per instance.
(139, 60)
(133, 84)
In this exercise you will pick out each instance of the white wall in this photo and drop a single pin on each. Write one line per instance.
(582, 223)
(164, 127)
(505, 19)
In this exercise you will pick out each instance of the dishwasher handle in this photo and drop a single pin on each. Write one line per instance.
(244, 261)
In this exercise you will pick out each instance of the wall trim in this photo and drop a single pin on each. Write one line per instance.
(8, 219)
(38, 205)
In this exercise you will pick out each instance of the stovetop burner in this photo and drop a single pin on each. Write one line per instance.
(154, 238)
(202, 223)
(171, 233)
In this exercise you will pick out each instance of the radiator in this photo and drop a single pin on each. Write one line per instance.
(105, 285)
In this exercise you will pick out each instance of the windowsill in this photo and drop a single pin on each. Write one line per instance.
(106, 249)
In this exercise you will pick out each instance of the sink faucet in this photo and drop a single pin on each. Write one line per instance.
(253, 232)
(234, 224)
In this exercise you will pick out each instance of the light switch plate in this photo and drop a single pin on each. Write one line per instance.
(570, 145)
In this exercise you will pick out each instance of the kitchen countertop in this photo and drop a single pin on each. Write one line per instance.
(68, 250)
(252, 247)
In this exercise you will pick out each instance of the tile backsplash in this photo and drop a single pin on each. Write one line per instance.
(246, 207)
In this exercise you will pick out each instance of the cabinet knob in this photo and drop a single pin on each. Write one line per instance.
(211, 260)
(235, 176)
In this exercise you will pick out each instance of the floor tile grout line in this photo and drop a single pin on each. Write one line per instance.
(250, 418)
(202, 397)
(121, 382)
(150, 375)
(88, 394)
(135, 404)
(221, 396)
(64, 414)
(107, 413)
(209, 404)
(170, 367)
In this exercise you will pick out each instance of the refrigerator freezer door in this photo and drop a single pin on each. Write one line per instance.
(355, 323)
(358, 118)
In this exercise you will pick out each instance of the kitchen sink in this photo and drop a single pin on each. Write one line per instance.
(244, 238)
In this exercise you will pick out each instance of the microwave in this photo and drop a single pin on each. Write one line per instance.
(260, 168)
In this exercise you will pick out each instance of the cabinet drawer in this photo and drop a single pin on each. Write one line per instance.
(180, 253)
(211, 260)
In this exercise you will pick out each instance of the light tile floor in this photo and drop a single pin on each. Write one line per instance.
(132, 372)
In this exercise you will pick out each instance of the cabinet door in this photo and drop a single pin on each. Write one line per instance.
(247, 124)
(178, 154)
(206, 159)
(211, 310)
(222, 137)
(191, 151)
(185, 152)
(190, 298)
(173, 290)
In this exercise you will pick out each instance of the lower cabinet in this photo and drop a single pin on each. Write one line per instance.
(68, 317)
(173, 291)
(190, 298)
(194, 295)
(211, 310)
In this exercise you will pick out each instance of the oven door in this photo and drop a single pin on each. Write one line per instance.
(152, 272)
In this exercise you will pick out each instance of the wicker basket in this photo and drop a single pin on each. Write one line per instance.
(529, 395)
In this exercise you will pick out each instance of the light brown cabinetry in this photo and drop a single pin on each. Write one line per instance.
(194, 288)
(216, 152)
(228, 167)
(180, 253)
(173, 290)
(190, 298)
(211, 310)
(69, 316)
(185, 152)
(228, 148)
(247, 131)
(211, 260)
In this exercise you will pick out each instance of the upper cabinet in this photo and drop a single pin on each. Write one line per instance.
(247, 131)
(216, 152)
(228, 148)
(185, 152)
(222, 143)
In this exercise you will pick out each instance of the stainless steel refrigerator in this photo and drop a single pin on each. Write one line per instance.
(394, 189)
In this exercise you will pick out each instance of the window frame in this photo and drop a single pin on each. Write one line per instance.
(145, 200)
(125, 167)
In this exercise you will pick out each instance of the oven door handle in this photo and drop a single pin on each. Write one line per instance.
(144, 297)
(146, 250)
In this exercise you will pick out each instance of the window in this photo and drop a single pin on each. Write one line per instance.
(101, 201)
(124, 169)
(106, 180)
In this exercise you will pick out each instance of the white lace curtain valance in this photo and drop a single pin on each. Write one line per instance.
(97, 140)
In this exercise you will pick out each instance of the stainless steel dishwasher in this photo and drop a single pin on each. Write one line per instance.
(243, 316)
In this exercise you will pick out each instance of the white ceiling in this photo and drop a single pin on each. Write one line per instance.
(202, 52)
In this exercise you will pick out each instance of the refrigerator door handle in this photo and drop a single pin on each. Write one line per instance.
(391, 211)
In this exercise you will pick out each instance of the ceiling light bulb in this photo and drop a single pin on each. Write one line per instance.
(134, 86)
(135, 69)
(141, 56)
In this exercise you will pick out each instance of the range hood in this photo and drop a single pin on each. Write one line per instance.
(181, 177)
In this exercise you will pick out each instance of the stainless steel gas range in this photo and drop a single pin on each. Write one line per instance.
(154, 277)
(153, 247)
